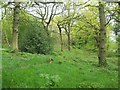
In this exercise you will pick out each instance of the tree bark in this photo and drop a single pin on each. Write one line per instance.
(6, 38)
(15, 26)
(61, 41)
(102, 37)
(69, 36)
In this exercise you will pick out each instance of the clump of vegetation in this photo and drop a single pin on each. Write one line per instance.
(51, 81)
(33, 37)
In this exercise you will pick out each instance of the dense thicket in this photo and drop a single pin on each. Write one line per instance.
(32, 36)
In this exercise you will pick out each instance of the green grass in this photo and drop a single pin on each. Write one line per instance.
(0, 69)
(78, 70)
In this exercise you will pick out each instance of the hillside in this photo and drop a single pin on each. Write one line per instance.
(77, 68)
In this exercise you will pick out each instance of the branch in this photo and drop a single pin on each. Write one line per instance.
(83, 3)
(117, 20)
(113, 16)
(51, 16)
(50, 2)
(108, 21)
(33, 15)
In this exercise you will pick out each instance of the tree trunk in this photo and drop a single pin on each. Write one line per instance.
(102, 37)
(15, 27)
(119, 35)
(6, 38)
(46, 27)
(47, 30)
(61, 41)
(69, 36)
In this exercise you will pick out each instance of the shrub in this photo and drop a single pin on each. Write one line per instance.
(51, 80)
(33, 37)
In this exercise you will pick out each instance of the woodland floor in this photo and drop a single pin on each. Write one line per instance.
(75, 69)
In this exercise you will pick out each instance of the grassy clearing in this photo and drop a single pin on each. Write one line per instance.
(73, 69)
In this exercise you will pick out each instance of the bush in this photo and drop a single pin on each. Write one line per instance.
(51, 80)
(32, 37)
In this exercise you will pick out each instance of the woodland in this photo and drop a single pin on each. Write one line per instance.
(59, 43)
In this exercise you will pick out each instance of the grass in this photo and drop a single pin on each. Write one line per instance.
(75, 69)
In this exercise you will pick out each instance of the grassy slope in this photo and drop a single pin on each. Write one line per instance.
(0, 69)
(78, 69)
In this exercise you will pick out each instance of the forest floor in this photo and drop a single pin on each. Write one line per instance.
(75, 69)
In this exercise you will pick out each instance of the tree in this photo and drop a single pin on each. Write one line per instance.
(66, 21)
(15, 26)
(100, 33)
(60, 32)
(102, 36)
(86, 29)
(46, 11)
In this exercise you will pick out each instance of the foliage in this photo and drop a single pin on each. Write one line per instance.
(7, 29)
(83, 33)
(51, 81)
(32, 36)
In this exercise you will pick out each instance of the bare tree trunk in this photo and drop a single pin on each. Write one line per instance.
(61, 41)
(69, 36)
(47, 31)
(102, 37)
(6, 37)
(15, 27)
